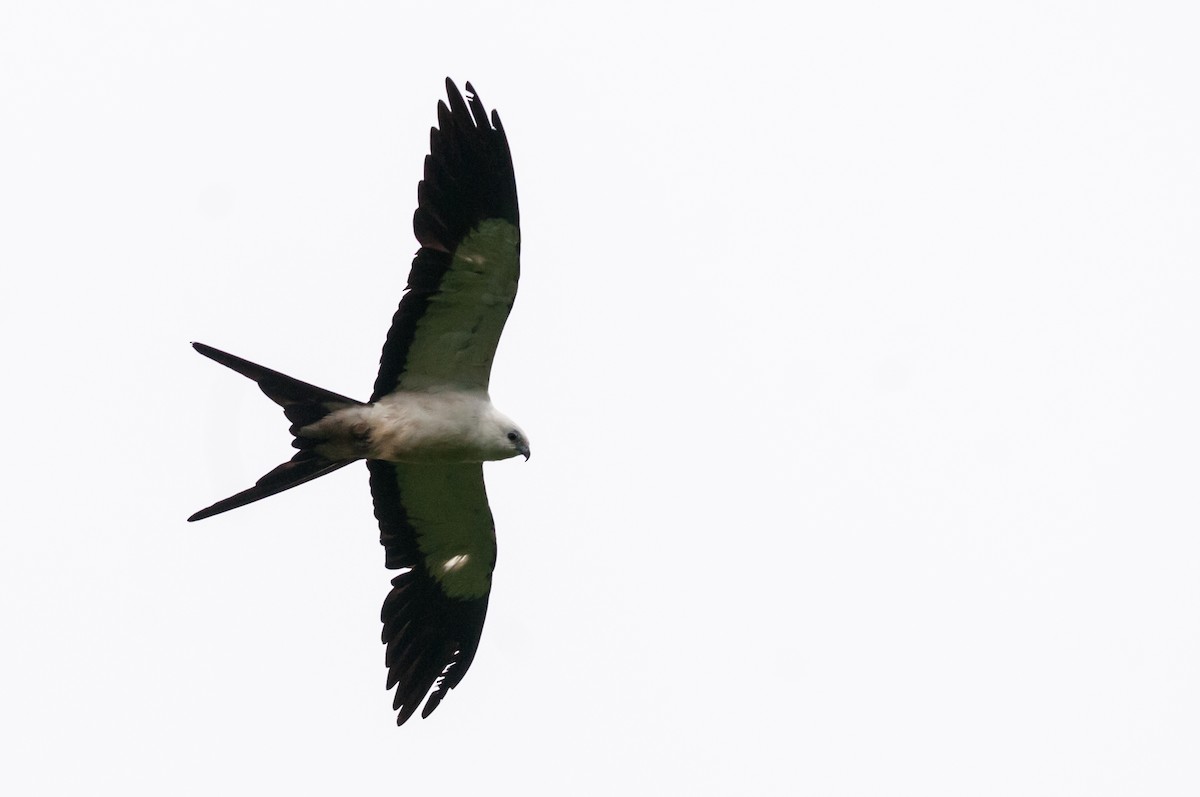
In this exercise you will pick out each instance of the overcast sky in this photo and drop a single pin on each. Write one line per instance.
(857, 344)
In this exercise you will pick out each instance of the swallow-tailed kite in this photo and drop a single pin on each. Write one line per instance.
(430, 423)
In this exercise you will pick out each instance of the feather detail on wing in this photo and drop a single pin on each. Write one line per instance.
(464, 278)
(434, 524)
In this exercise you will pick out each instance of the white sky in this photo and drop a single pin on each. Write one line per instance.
(857, 344)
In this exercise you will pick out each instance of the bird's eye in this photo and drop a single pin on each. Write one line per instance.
(512, 437)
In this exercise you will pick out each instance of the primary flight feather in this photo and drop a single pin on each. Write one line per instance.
(430, 423)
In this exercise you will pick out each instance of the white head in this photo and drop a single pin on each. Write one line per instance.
(503, 438)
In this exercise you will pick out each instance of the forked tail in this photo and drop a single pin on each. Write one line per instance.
(304, 405)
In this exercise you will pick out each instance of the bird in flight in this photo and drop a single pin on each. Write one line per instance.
(430, 424)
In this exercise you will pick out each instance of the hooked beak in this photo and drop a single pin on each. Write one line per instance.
(524, 450)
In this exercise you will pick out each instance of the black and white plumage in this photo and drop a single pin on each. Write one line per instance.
(430, 423)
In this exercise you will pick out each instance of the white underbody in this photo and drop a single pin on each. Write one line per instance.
(417, 426)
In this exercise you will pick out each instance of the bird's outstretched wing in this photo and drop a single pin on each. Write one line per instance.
(435, 524)
(464, 277)
(434, 519)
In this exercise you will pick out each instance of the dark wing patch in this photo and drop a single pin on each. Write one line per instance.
(468, 180)
(431, 637)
